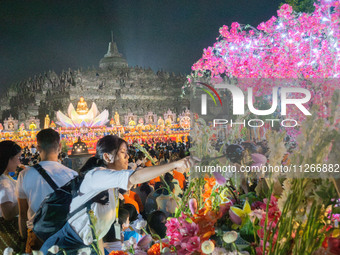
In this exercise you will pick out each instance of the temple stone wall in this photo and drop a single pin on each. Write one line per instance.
(113, 86)
(124, 89)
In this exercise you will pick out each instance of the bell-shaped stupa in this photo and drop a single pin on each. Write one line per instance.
(112, 59)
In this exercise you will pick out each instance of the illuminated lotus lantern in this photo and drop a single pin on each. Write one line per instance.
(82, 116)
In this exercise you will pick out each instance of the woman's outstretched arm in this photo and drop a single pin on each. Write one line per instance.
(149, 173)
(102, 179)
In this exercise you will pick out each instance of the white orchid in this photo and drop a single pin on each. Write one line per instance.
(126, 245)
(208, 247)
(54, 249)
(84, 251)
(166, 251)
(230, 236)
(141, 224)
(132, 241)
(219, 251)
(37, 253)
(8, 251)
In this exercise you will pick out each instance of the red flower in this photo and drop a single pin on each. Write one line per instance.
(258, 205)
(118, 253)
(334, 245)
(156, 249)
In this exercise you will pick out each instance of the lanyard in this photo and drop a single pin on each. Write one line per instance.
(116, 223)
(10, 177)
(116, 202)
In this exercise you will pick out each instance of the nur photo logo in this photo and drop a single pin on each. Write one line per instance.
(280, 100)
(204, 96)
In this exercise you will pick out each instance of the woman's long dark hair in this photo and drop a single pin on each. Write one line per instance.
(8, 149)
(107, 144)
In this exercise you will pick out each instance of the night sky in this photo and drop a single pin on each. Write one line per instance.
(37, 36)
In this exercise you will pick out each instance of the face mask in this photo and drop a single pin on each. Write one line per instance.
(111, 158)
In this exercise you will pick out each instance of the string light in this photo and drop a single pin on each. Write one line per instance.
(289, 34)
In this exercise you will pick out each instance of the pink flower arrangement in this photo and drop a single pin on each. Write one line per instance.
(193, 205)
(183, 234)
(290, 46)
(285, 11)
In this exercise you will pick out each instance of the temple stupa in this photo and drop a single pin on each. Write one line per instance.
(112, 59)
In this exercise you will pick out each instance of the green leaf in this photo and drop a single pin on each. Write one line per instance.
(189, 220)
(336, 210)
(251, 196)
(177, 212)
(247, 231)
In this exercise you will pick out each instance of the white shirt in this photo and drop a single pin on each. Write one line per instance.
(33, 187)
(7, 190)
(96, 181)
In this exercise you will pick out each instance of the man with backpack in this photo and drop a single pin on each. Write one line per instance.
(32, 188)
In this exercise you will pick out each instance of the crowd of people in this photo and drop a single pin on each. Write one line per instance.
(121, 187)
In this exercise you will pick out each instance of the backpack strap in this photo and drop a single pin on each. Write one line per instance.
(86, 205)
(47, 178)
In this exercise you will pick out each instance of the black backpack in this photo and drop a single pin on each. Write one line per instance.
(54, 211)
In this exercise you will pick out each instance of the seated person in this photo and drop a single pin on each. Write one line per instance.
(131, 197)
(180, 178)
(168, 177)
(111, 243)
(132, 212)
(150, 203)
(156, 224)
(129, 200)
(132, 231)
(166, 202)
(143, 191)
(141, 160)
